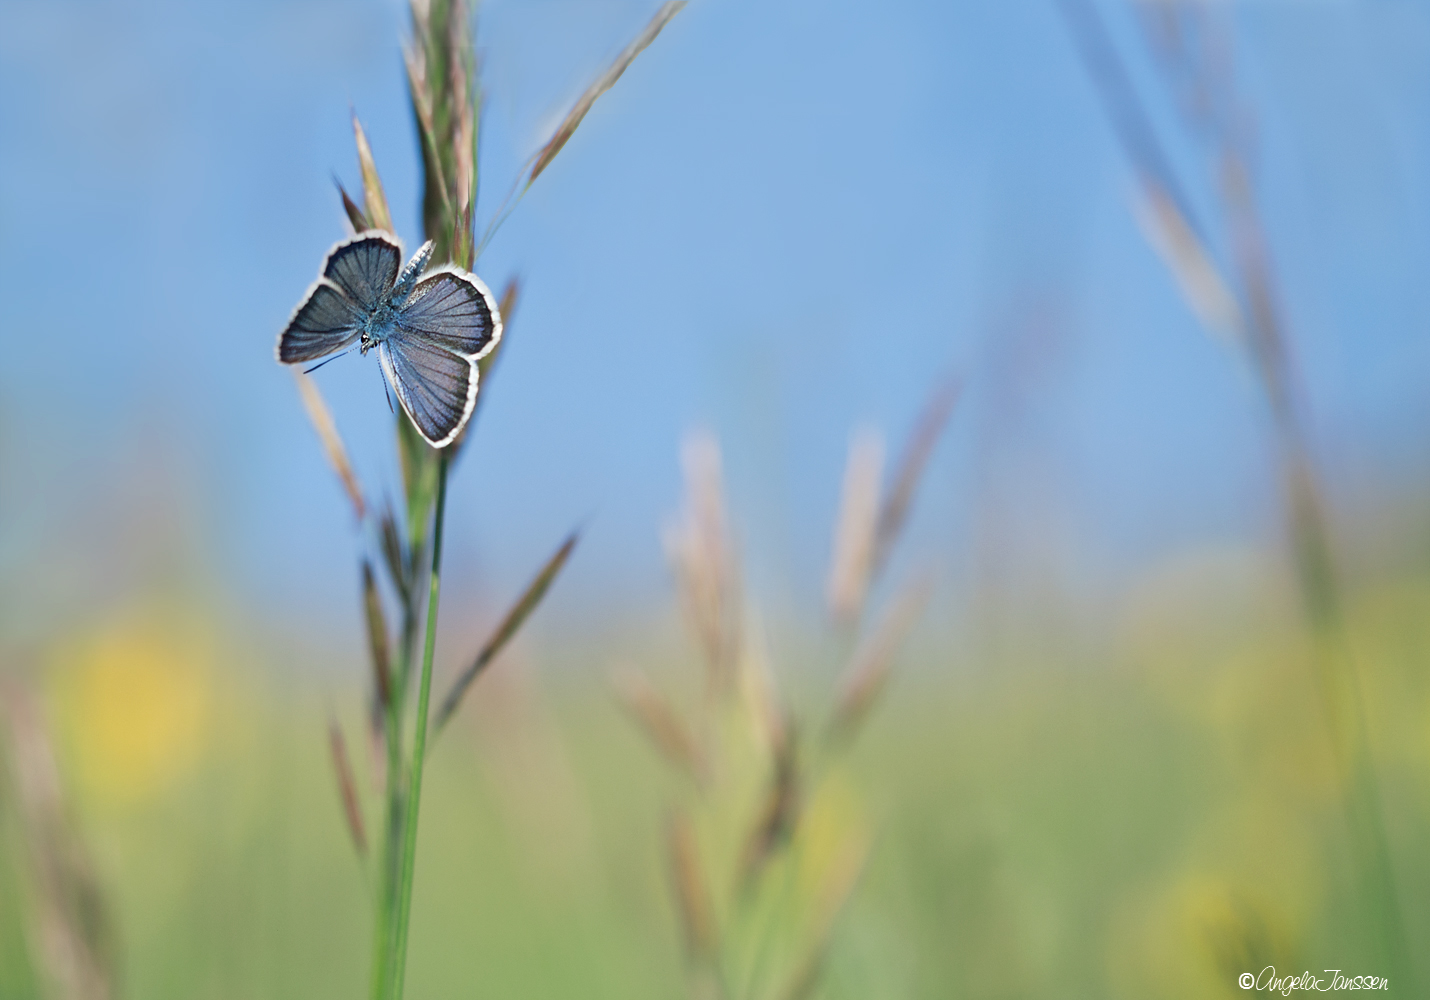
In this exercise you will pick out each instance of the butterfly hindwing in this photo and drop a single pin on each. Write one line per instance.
(436, 387)
(453, 309)
(327, 321)
(365, 267)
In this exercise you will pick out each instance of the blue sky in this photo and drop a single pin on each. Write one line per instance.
(786, 220)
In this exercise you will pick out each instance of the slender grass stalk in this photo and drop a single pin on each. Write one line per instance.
(419, 745)
(445, 90)
(1258, 324)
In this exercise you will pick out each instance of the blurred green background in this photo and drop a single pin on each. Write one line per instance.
(1101, 767)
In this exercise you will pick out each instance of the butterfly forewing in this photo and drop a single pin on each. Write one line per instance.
(365, 267)
(438, 389)
(326, 322)
(454, 310)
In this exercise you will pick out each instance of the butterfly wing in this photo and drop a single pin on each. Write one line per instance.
(436, 387)
(448, 323)
(365, 267)
(325, 322)
(451, 308)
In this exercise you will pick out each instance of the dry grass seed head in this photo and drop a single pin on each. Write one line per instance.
(852, 557)
(322, 420)
(75, 940)
(698, 547)
(659, 720)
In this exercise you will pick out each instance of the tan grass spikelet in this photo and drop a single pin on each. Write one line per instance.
(692, 895)
(852, 554)
(660, 722)
(509, 626)
(375, 201)
(698, 547)
(605, 82)
(347, 786)
(1198, 278)
(868, 671)
(327, 428)
(910, 468)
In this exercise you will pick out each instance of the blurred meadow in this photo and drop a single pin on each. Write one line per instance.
(998, 433)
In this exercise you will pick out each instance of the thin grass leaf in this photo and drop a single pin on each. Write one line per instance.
(1198, 278)
(692, 897)
(910, 469)
(355, 215)
(347, 787)
(375, 201)
(604, 83)
(518, 614)
(659, 721)
(869, 669)
(852, 557)
(377, 640)
(322, 420)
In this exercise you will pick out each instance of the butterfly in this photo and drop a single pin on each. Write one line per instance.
(429, 330)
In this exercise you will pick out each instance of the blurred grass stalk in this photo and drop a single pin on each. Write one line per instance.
(444, 87)
(756, 922)
(72, 938)
(1194, 53)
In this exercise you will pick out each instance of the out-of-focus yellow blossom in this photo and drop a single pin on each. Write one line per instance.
(135, 700)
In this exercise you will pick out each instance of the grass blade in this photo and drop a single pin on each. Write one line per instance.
(375, 201)
(604, 83)
(535, 591)
(322, 419)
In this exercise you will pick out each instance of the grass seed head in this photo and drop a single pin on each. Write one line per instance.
(852, 558)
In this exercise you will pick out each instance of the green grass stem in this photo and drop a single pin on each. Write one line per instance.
(419, 747)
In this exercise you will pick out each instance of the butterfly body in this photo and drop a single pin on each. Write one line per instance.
(430, 329)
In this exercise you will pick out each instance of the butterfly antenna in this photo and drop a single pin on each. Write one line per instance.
(309, 371)
(389, 394)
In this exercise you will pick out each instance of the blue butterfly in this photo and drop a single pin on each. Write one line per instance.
(429, 330)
